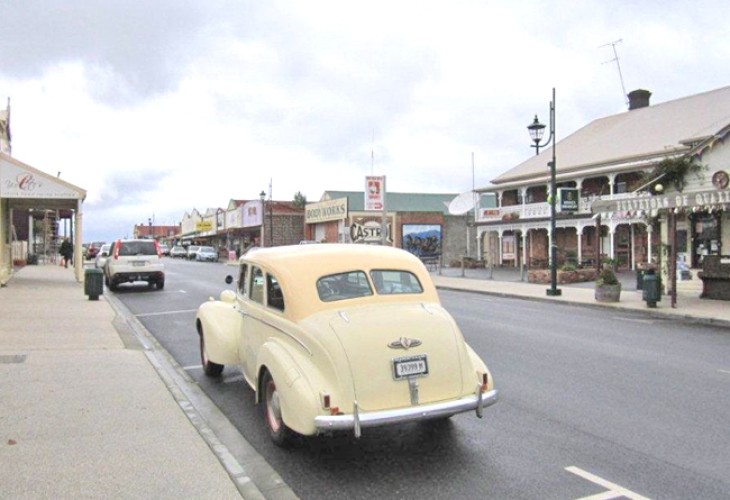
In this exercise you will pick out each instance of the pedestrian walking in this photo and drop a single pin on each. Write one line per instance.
(66, 251)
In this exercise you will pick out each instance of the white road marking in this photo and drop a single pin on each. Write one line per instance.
(163, 313)
(724, 371)
(192, 367)
(614, 490)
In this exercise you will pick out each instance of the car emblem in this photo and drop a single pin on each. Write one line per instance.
(404, 343)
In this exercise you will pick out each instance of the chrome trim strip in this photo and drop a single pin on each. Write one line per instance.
(358, 420)
(302, 344)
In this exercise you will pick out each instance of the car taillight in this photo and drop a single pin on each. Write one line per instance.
(116, 249)
(485, 382)
(158, 249)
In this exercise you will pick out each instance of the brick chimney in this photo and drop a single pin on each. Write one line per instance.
(639, 99)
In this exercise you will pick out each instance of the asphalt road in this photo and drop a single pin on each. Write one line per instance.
(591, 402)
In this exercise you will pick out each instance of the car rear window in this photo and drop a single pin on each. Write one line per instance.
(137, 248)
(343, 286)
(392, 282)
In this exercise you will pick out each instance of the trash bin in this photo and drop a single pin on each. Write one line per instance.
(93, 283)
(639, 279)
(651, 288)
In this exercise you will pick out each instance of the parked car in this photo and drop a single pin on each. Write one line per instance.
(134, 260)
(93, 249)
(164, 249)
(178, 251)
(208, 254)
(192, 250)
(102, 256)
(340, 338)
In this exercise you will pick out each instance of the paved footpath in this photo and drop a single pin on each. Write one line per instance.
(83, 411)
(90, 409)
(506, 283)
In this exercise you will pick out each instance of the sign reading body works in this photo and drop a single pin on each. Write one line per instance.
(325, 211)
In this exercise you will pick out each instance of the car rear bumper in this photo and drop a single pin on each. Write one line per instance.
(154, 276)
(357, 420)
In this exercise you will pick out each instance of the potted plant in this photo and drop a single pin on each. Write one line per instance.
(608, 287)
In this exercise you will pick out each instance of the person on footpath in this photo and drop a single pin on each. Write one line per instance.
(66, 251)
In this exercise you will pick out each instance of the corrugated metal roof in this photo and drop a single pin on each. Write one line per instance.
(396, 202)
(650, 132)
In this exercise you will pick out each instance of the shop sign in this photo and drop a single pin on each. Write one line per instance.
(567, 200)
(325, 211)
(18, 182)
(369, 230)
(678, 200)
(374, 192)
(252, 213)
(204, 226)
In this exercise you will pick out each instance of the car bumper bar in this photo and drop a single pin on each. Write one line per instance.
(359, 419)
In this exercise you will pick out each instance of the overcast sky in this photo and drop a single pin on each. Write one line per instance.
(156, 107)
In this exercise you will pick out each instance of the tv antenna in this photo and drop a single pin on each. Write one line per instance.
(618, 65)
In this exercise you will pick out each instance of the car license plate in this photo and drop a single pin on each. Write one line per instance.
(138, 263)
(410, 366)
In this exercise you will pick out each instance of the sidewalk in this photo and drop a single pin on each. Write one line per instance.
(507, 283)
(84, 412)
(87, 411)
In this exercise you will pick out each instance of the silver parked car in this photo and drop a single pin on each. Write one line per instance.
(209, 254)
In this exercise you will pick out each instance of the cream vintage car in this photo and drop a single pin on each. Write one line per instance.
(341, 337)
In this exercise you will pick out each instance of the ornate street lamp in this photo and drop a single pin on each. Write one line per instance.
(537, 130)
(262, 196)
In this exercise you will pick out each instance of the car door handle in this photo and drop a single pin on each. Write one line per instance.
(242, 312)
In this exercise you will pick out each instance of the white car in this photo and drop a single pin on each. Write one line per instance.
(134, 260)
(102, 256)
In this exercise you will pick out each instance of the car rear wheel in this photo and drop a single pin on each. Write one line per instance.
(209, 368)
(280, 434)
(160, 285)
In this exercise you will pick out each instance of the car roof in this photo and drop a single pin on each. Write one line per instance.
(298, 267)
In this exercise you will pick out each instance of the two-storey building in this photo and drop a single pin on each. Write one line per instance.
(610, 174)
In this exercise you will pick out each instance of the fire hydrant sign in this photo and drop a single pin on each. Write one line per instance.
(374, 192)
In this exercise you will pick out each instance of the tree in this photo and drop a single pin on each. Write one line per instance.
(300, 201)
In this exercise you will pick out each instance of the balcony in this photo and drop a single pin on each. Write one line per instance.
(528, 211)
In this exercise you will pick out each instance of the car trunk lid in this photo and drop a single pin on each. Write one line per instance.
(400, 354)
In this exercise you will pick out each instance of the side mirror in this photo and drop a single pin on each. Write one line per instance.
(229, 279)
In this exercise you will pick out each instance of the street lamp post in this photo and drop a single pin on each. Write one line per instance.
(262, 195)
(537, 130)
(149, 221)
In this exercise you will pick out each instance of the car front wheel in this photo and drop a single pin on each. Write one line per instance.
(209, 368)
(280, 434)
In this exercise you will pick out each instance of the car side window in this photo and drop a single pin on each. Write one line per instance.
(390, 282)
(242, 274)
(256, 288)
(274, 295)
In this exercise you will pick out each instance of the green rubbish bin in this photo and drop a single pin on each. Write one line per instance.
(651, 288)
(93, 283)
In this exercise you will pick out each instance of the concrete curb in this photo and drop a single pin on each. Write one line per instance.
(686, 318)
(206, 418)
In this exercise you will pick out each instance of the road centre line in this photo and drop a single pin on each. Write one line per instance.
(614, 490)
(724, 371)
(192, 367)
(163, 313)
